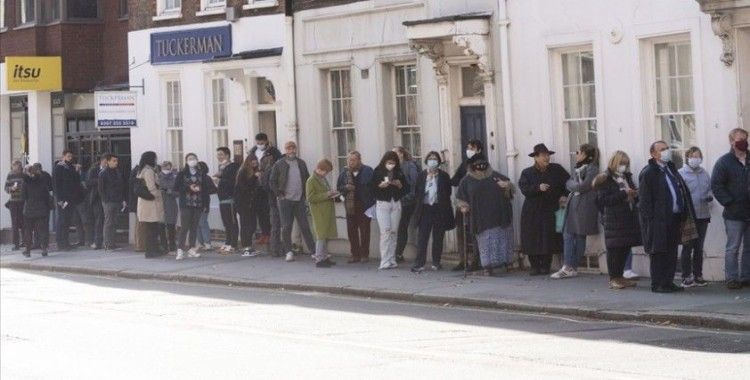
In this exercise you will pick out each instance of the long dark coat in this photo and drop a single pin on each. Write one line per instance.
(446, 221)
(620, 219)
(538, 235)
(581, 213)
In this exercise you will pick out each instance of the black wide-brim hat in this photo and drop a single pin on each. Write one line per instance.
(540, 148)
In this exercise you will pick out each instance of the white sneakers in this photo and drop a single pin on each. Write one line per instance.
(191, 253)
(251, 252)
(207, 247)
(630, 275)
(564, 272)
(388, 266)
(289, 257)
(226, 250)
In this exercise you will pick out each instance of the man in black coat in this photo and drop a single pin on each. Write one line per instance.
(36, 210)
(265, 208)
(662, 194)
(94, 201)
(225, 180)
(112, 192)
(68, 193)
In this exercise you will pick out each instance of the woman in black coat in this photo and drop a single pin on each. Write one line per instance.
(433, 214)
(37, 205)
(245, 189)
(543, 185)
(617, 198)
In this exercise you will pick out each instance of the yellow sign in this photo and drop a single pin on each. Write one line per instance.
(33, 73)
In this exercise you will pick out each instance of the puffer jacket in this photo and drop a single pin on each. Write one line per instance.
(620, 218)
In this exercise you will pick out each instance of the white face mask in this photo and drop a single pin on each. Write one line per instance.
(695, 162)
(432, 164)
(166, 171)
(261, 147)
(355, 173)
(666, 155)
(192, 163)
(390, 166)
(470, 153)
(622, 169)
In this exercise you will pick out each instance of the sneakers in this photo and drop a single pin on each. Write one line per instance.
(226, 250)
(417, 269)
(436, 267)
(564, 273)
(388, 266)
(699, 281)
(193, 253)
(44, 252)
(180, 255)
(688, 282)
(618, 283)
(327, 263)
(734, 285)
(251, 252)
(630, 275)
(207, 247)
(289, 257)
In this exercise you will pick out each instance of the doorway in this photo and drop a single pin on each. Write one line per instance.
(473, 127)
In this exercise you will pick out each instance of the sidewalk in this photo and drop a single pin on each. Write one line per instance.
(586, 296)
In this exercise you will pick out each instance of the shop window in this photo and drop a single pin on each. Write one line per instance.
(18, 128)
(26, 10)
(50, 10)
(579, 99)
(342, 123)
(219, 130)
(675, 112)
(405, 97)
(82, 9)
(174, 122)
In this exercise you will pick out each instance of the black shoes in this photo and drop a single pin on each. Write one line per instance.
(400, 258)
(458, 267)
(327, 263)
(734, 285)
(671, 288)
(26, 254)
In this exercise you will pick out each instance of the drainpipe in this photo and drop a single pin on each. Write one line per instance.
(510, 144)
(290, 71)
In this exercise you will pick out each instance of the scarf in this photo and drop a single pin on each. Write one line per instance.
(349, 196)
(623, 184)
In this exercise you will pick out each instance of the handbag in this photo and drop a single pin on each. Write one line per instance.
(688, 230)
(141, 190)
(559, 220)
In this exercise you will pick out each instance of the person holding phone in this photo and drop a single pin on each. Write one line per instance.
(389, 185)
(193, 186)
(321, 197)
(14, 187)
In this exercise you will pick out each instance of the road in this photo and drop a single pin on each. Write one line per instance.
(83, 327)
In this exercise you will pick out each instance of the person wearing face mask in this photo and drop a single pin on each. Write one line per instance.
(225, 180)
(37, 205)
(14, 187)
(193, 186)
(484, 197)
(434, 213)
(543, 185)
(730, 184)
(265, 208)
(288, 178)
(388, 185)
(166, 179)
(581, 213)
(68, 193)
(699, 183)
(354, 185)
(664, 206)
(617, 198)
(411, 171)
(320, 196)
(473, 147)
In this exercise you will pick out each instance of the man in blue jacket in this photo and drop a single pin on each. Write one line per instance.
(353, 184)
(730, 183)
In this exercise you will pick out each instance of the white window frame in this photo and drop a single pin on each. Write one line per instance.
(164, 13)
(21, 4)
(2, 15)
(345, 126)
(219, 105)
(406, 129)
(212, 7)
(256, 4)
(174, 128)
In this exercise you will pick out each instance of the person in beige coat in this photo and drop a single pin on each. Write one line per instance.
(151, 211)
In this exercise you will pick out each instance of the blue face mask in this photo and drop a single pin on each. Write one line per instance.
(432, 164)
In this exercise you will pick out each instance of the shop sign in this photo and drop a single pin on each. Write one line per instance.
(191, 45)
(115, 109)
(33, 73)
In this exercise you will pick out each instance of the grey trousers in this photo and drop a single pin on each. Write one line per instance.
(189, 219)
(110, 219)
(289, 211)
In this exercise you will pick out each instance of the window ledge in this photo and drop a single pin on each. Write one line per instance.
(123, 18)
(167, 16)
(212, 12)
(3, 29)
(261, 5)
(26, 26)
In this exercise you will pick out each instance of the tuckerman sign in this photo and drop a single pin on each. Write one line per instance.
(191, 45)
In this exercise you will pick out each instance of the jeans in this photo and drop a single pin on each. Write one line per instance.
(38, 227)
(110, 218)
(97, 225)
(229, 219)
(274, 244)
(190, 218)
(574, 248)
(664, 264)
(261, 211)
(289, 211)
(738, 233)
(358, 230)
(428, 225)
(403, 228)
(248, 224)
(204, 230)
(616, 258)
(388, 214)
(16, 220)
(693, 265)
(64, 216)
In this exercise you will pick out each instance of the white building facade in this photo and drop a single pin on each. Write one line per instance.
(429, 75)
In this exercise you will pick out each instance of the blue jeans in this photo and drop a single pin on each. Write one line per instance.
(204, 231)
(738, 233)
(629, 261)
(574, 247)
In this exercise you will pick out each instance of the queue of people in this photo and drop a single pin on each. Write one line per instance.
(260, 200)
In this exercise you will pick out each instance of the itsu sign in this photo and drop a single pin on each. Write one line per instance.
(116, 109)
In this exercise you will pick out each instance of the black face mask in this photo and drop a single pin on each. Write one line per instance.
(480, 167)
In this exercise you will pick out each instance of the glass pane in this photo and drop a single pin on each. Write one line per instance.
(346, 86)
(400, 81)
(401, 110)
(346, 106)
(335, 84)
(266, 91)
(572, 102)
(570, 69)
(587, 67)
(82, 9)
(672, 95)
(411, 110)
(416, 148)
(468, 75)
(588, 101)
(592, 139)
(661, 60)
(672, 58)
(411, 74)
(267, 121)
(336, 113)
(660, 95)
(220, 138)
(686, 94)
(341, 143)
(406, 139)
(351, 141)
(671, 130)
(683, 60)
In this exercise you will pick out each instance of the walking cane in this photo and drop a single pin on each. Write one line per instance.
(465, 244)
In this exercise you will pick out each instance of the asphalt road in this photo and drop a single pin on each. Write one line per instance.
(81, 327)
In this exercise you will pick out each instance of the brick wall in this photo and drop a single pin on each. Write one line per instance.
(143, 11)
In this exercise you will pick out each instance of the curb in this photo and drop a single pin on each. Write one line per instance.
(666, 318)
